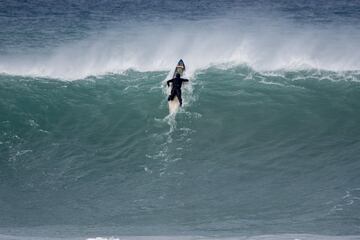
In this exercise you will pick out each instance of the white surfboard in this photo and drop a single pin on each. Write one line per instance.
(174, 105)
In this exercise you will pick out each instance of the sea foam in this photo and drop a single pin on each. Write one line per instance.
(202, 44)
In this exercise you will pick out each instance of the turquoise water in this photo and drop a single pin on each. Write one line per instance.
(266, 145)
(250, 153)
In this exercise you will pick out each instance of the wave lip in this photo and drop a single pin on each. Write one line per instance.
(150, 48)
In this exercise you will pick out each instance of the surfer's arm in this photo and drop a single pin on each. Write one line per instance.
(169, 81)
(185, 80)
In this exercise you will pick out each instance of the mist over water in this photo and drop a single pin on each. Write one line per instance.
(202, 44)
(263, 36)
(265, 147)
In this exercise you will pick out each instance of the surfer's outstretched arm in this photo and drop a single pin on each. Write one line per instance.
(169, 81)
(185, 80)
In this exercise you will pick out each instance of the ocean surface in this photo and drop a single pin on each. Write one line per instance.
(266, 146)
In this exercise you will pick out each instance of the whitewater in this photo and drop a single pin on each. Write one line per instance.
(266, 145)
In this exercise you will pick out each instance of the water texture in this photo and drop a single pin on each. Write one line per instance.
(266, 146)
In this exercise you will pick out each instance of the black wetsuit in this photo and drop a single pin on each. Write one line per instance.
(176, 88)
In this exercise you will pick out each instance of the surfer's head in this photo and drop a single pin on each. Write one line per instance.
(178, 75)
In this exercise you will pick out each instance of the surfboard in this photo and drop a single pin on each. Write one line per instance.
(180, 68)
(174, 104)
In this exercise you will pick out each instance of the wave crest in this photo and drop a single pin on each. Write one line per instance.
(153, 48)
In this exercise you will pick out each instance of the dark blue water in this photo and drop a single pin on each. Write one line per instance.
(265, 147)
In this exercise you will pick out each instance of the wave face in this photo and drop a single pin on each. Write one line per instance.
(266, 145)
(250, 153)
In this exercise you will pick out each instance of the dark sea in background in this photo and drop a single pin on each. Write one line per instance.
(266, 146)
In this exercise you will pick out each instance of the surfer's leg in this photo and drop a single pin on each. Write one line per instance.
(172, 95)
(178, 94)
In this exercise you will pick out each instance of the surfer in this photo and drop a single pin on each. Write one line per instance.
(176, 87)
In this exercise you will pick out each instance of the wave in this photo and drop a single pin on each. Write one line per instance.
(263, 47)
(281, 148)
